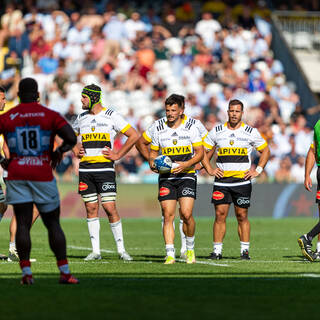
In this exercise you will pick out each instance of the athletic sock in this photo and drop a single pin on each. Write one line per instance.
(315, 231)
(318, 246)
(170, 250)
(183, 237)
(217, 247)
(190, 243)
(94, 233)
(12, 245)
(63, 266)
(25, 266)
(116, 229)
(244, 246)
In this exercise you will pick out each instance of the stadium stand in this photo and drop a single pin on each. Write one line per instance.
(210, 52)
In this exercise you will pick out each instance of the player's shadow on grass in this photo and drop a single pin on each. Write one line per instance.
(224, 258)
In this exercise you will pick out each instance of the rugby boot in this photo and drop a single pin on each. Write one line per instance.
(305, 246)
(191, 258)
(68, 279)
(27, 279)
(215, 256)
(170, 260)
(92, 256)
(125, 256)
(245, 255)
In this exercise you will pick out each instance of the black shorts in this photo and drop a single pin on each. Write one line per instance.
(239, 195)
(97, 182)
(177, 188)
(318, 186)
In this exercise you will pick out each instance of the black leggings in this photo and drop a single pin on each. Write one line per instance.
(57, 240)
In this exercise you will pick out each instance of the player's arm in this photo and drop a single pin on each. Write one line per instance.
(217, 172)
(264, 157)
(197, 157)
(142, 146)
(152, 155)
(132, 136)
(69, 138)
(310, 161)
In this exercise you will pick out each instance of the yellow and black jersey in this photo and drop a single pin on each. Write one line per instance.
(234, 148)
(96, 132)
(188, 122)
(176, 143)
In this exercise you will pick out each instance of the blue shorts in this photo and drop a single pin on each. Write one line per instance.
(44, 194)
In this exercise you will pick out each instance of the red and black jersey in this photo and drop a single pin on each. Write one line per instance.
(29, 130)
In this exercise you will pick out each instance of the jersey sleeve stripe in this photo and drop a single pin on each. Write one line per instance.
(197, 144)
(208, 146)
(204, 136)
(156, 148)
(262, 147)
(126, 128)
(146, 137)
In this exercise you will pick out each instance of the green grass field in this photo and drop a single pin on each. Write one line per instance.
(276, 284)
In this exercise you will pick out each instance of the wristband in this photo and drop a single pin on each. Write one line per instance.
(259, 169)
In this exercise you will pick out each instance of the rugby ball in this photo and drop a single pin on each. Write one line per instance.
(163, 164)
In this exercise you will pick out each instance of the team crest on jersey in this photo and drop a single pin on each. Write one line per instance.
(174, 141)
(231, 142)
(93, 128)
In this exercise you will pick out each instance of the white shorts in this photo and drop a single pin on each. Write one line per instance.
(45, 194)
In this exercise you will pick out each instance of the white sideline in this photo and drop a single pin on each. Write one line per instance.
(90, 249)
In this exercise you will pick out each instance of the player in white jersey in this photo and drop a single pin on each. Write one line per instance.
(98, 127)
(143, 147)
(181, 141)
(233, 143)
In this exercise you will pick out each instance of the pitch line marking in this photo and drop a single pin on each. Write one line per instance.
(90, 249)
(310, 275)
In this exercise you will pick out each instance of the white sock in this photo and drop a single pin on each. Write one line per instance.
(12, 245)
(318, 246)
(190, 243)
(170, 250)
(244, 246)
(94, 233)
(116, 229)
(183, 237)
(217, 247)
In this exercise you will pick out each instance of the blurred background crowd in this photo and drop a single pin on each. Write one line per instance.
(140, 52)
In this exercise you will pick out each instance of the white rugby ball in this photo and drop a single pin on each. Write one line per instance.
(163, 164)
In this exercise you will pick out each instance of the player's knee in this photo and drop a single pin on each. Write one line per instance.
(221, 216)
(242, 217)
(186, 216)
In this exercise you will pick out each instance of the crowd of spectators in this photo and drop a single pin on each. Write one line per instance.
(210, 52)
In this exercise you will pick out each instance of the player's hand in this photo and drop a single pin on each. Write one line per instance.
(308, 183)
(110, 154)
(179, 166)
(56, 158)
(250, 174)
(82, 152)
(217, 172)
(198, 166)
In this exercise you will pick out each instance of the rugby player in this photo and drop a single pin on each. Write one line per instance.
(233, 142)
(29, 130)
(181, 141)
(98, 127)
(143, 147)
(305, 241)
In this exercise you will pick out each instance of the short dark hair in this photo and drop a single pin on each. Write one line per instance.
(2, 89)
(28, 90)
(175, 99)
(235, 102)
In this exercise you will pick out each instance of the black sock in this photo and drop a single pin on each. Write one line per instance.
(313, 232)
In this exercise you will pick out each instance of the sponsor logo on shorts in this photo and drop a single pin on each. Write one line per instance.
(217, 195)
(243, 200)
(187, 192)
(318, 195)
(108, 186)
(83, 186)
(163, 192)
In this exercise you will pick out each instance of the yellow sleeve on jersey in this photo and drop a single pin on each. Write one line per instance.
(312, 145)
(153, 147)
(208, 146)
(204, 136)
(262, 146)
(146, 137)
(125, 129)
(197, 144)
